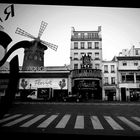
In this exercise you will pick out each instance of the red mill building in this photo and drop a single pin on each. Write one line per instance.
(86, 60)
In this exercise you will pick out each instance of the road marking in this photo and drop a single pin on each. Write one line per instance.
(113, 123)
(136, 118)
(79, 122)
(47, 121)
(63, 122)
(96, 123)
(9, 118)
(129, 123)
(18, 120)
(32, 121)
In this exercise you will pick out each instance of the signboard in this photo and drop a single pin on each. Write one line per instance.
(34, 83)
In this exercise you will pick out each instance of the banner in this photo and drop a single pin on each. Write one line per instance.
(34, 83)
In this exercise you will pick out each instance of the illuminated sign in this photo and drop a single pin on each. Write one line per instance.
(34, 83)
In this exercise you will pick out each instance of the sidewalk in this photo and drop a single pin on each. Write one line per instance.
(82, 103)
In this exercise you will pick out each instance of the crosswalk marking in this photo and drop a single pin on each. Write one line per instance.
(136, 118)
(47, 121)
(129, 123)
(96, 123)
(32, 121)
(79, 122)
(9, 118)
(113, 123)
(18, 120)
(63, 122)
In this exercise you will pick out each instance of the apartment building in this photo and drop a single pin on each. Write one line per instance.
(129, 74)
(110, 81)
(86, 63)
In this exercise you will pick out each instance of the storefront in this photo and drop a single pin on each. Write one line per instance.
(87, 83)
(110, 93)
(50, 83)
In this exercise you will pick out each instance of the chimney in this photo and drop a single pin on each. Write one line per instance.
(99, 28)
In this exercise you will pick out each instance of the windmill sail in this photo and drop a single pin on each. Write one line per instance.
(50, 45)
(42, 28)
(24, 33)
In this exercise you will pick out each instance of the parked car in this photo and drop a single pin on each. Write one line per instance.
(72, 98)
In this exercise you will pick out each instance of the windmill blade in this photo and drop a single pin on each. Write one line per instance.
(42, 28)
(50, 45)
(24, 33)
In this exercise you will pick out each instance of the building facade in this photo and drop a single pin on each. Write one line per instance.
(86, 63)
(110, 80)
(129, 74)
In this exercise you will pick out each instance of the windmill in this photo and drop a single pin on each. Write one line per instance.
(34, 54)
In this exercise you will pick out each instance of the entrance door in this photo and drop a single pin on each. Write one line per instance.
(123, 94)
(110, 96)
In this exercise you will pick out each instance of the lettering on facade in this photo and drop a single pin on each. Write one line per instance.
(39, 82)
(87, 73)
(8, 12)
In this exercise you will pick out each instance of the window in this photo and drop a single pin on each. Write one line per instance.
(124, 64)
(96, 45)
(137, 52)
(112, 80)
(106, 80)
(90, 53)
(123, 77)
(82, 45)
(75, 35)
(96, 66)
(112, 68)
(75, 56)
(130, 78)
(137, 77)
(105, 68)
(89, 45)
(97, 56)
(135, 63)
(89, 35)
(82, 35)
(75, 45)
(75, 66)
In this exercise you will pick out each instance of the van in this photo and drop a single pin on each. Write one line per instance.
(32, 95)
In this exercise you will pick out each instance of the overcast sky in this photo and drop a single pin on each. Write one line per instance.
(120, 28)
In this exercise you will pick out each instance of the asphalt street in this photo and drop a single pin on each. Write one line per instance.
(72, 119)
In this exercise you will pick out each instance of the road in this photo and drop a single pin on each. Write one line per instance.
(81, 119)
